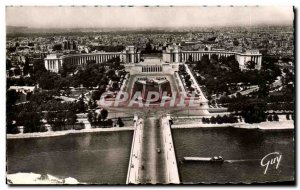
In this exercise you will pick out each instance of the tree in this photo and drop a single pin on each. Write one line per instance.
(96, 95)
(250, 65)
(234, 65)
(214, 58)
(8, 64)
(254, 112)
(60, 121)
(26, 66)
(219, 119)
(270, 118)
(225, 119)
(181, 69)
(71, 118)
(115, 86)
(70, 67)
(213, 120)
(109, 123)
(103, 114)
(120, 122)
(235, 42)
(232, 119)
(188, 84)
(263, 90)
(50, 117)
(187, 77)
(90, 104)
(207, 120)
(81, 104)
(110, 73)
(205, 60)
(90, 117)
(49, 80)
(30, 120)
(11, 97)
(275, 117)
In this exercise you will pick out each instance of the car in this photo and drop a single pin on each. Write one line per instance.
(158, 150)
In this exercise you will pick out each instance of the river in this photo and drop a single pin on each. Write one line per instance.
(103, 157)
(88, 157)
(246, 147)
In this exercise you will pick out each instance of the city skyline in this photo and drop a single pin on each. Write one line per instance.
(146, 17)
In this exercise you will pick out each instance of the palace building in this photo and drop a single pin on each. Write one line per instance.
(172, 54)
(54, 62)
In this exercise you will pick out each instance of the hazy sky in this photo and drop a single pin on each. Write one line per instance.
(112, 17)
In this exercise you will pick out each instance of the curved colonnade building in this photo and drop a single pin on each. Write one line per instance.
(172, 54)
(54, 62)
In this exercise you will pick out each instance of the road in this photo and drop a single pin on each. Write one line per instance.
(154, 170)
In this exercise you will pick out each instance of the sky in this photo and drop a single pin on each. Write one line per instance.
(146, 17)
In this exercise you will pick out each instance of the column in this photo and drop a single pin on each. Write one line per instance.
(56, 65)
(48, 65)
(132, 58)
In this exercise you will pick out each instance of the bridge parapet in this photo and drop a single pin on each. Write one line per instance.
(135, 154)
(172, 174)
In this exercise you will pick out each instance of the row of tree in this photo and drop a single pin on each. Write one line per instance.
(220, 119)
(273, 117)
(62, 120)
(31, 113)
(100, 120)
(229, 73)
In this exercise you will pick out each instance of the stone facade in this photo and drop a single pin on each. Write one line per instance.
(54, 62)
(174, 54)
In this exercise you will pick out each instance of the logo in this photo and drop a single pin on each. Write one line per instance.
(271, 159)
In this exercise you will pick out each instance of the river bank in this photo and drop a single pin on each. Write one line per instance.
(275, 125)
(60, 133)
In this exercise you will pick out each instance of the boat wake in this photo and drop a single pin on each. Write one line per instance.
(244, 160)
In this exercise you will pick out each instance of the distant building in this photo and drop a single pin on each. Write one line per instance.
(174, 54)
(23, 89)
(54, 62)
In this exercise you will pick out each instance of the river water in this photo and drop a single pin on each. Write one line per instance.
(244, 147)
(103, 157)
(88, 157)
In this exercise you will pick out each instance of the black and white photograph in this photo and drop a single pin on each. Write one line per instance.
(144, 95)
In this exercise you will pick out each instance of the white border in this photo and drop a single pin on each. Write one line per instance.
(4, 3)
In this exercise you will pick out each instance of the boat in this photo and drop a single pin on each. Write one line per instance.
(204, 159)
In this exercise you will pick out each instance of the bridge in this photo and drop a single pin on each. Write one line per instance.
(152, 157)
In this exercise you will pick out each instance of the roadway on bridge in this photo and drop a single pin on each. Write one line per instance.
(154, 170)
